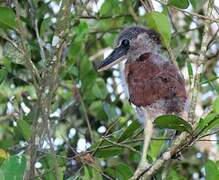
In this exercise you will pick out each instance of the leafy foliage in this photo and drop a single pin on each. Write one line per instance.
(13, 168)
(183, 4)
(154, 21)
(76, 123)
(172, 122)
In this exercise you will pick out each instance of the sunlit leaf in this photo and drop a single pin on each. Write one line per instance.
(129, 131)
(173, 175)
(190, 71)
(13, 168)
(86, 174)
(216, 105)
(197, 4)
(160, 22)
(3, 154)
(3, 75)
(24, 128)
(96, 174)
(172, 122)
(155, 147)
(209, 122)
(7, 18)
(212, 172)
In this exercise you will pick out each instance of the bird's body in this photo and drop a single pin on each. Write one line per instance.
(154, 83)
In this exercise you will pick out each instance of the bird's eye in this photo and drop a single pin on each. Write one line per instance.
(125, 43)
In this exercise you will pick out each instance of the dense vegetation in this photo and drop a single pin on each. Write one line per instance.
(60, 119)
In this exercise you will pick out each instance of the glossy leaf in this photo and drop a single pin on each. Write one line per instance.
(124, 171)
(155, 147)
(7, 18)
(182, 4)
(197, 4)
(109, 152)
(190, 71)
(172, 122)
(3, 75)
(216, 105)
(86, 174)
(24, 128)
(160, 22)
(209, 122)
(212, 172)
(13, 168)
(129, 131)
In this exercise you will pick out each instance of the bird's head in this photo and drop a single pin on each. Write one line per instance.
(131, 43)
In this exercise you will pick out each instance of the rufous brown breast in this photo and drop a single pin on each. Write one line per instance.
(151, 78)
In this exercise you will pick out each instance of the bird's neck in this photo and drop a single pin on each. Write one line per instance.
(159, 50)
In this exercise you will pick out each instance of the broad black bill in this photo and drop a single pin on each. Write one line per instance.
(115, 57)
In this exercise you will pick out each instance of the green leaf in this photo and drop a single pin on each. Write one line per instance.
(197, 4)
(110, 110)
(216, 105)
(155, 148)
(212, 172)
(86, 174)
(160, 23)
(99, 89)
(120, 171)
(190, 71)
(173, 175)
(109, 7)
(24, 128)
(96, 109)
(124, 171)
(7, 18)
(204, 122)
(109, 152)
(3, 75)
(44, 26)
(182, 4)
(129, 131)
(73, 70)
(13, 168)
(96, 174)
(172, 122)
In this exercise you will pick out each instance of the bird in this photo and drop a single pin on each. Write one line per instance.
(155, 84)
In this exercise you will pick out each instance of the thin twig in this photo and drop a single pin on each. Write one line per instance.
(40, 42)
(122, 145)
(30, 65)
(208, 18)
(13, 43)
(86, 116)
(104, 17)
